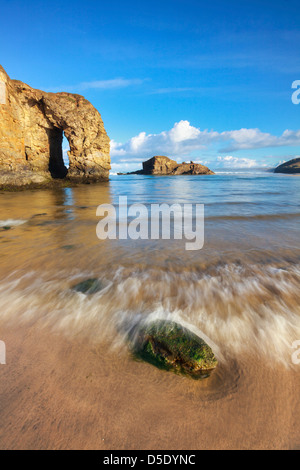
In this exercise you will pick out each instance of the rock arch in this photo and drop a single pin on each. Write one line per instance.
(32, 124)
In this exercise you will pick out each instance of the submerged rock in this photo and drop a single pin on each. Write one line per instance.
(89, 286)
(170, 346)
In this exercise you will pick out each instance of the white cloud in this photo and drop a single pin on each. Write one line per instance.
(109, 84)
(124, 167)
(163, 91)
(184, 138)
(183, 131)
(254, 138)
(180, 140)
(114, 83)
(116, 149)
(234, 162)
(131, 160)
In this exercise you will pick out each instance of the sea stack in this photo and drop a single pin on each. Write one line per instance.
(32, 125)
(160, 165)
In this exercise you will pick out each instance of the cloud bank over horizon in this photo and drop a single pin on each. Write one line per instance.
(184, 138)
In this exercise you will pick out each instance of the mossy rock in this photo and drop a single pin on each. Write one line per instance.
(89, 286)
(169, 346)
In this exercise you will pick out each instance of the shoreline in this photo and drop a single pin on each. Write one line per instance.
(46, 182)
(77, 182)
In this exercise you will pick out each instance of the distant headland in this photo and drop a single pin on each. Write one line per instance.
(291, 167)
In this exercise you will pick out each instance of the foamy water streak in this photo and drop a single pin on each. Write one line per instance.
(253, 310)
(11, 223)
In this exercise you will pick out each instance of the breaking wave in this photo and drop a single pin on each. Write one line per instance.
(237, 309)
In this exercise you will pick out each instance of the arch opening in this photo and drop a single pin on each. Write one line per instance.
(57, 166)
(66, 148)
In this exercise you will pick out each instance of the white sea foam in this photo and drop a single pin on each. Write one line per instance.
(236, 310)
(11, 222)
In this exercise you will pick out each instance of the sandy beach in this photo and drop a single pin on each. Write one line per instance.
(58, 393)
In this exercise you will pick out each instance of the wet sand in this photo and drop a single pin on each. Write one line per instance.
(70, 382)
(58, 393)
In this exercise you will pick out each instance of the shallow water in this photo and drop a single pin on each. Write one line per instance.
(240, 292)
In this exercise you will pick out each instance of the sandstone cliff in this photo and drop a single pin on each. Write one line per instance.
(32, 124)
(160, 165)
(291, 167)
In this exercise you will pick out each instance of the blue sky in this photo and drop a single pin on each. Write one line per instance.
(187, 79)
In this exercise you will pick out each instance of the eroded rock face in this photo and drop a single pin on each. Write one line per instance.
(32, 123)
(160, 165)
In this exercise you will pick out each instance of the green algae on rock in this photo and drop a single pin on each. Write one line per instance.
(169, 346)
(89, 286)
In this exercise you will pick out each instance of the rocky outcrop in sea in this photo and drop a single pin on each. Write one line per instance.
(160, 165)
